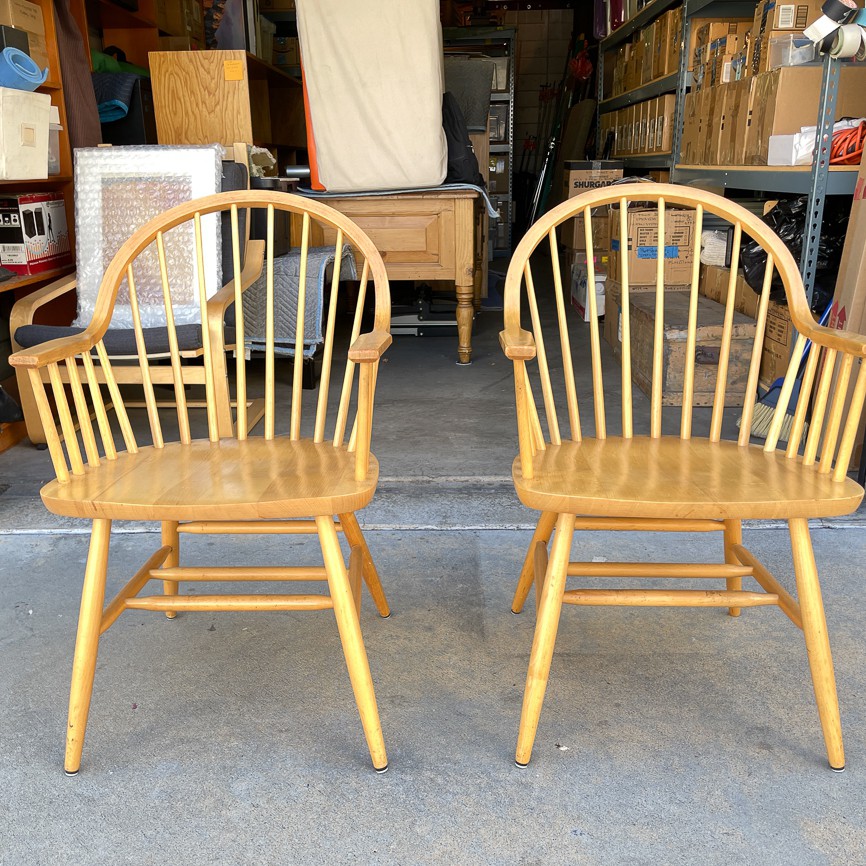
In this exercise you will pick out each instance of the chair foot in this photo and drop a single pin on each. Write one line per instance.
(381, 770)
(521, 766)
(838, 769)
(71, 772)
(516, 612)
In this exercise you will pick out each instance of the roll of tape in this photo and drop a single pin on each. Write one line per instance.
(861, 52)
(839, 10)
(821, 28)
(848, 41)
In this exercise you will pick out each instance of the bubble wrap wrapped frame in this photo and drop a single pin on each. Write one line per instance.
(117, 190)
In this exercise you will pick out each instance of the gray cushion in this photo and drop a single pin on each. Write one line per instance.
(120, 341)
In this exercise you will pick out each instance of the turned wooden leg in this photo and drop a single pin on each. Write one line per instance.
(543, 530)
(353, 644)
(465, 315)
(733, 535)
(355, 537)
(170, 538)
(545, 637)
(86, 643)
(817, 640)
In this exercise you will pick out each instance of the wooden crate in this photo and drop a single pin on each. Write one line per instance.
(708, 341)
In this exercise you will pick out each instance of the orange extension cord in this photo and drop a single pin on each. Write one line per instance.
(847, 146)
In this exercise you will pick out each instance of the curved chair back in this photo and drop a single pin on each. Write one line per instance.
(345, 421)
(828, 361)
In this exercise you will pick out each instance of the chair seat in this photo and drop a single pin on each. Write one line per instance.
(671, 477)
(225, 480)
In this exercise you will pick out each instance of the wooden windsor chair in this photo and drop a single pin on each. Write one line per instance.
(292, 483)
(676, 483)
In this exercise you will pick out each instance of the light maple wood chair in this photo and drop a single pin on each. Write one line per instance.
(297, 482)
(675, 483)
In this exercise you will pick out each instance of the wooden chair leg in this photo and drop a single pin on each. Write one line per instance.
(543, 531)
(355, 537)
(541, 561)
(170, 538)
(356, 566)
(545, 637)
(353, 643)
(86, 643)
(817, 640)
(733, 535)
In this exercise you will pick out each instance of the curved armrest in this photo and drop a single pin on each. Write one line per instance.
(369, 347)
(54, 350)
(843, 341)
(518, 345)
(253, 264)
(25, 309)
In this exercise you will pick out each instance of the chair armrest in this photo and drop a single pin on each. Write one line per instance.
(518, 345)
(369, 347)
(54, 351)
(25, 309)
(843, 341)
(224, 298)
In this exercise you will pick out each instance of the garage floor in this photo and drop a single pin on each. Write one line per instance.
(667, 737)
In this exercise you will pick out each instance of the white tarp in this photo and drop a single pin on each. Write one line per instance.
(374, 74)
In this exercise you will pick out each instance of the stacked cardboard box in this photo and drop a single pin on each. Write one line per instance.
(646, 127)
(184, 18)
(722, 127)
(27, 16)
(652, 53)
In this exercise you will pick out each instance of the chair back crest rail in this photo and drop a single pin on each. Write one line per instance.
(82, 434)
(828, 363)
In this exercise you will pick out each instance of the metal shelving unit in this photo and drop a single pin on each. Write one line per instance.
(817, 181)
(495, 42)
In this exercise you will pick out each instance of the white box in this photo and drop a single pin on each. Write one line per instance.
(579, 279)
(23, 134)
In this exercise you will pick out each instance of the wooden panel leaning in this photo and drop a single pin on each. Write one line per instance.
(689, 470)
(288, 478)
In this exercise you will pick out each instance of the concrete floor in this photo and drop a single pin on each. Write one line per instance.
(667, 737)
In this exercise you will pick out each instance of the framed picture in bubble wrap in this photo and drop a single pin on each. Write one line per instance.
(117, 190)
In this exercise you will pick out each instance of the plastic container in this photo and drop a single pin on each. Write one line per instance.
(54, 129)
(791, 49)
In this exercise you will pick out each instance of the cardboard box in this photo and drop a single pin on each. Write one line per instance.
(773, 15)
(738, 131)
(23, 15)
(788, 98)
(642, 245)
(572, 233)
(647, 36)
(171, 17)
(661, 46)
(287, 51)
(675, 28)
(179, 43)
(691, 124)
(194, 17)
(23, 134)
(579, 175)
(33, 232)
(665, 124)
(776, 351)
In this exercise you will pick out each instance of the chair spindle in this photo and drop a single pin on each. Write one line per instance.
(594, 341)
(627, 407)
(240, 334)
(751, 394)
(270, 399)
(837, 407)
(99, 407)
(298, 369)
(349, 374)
(852, 423)
(83, 413)
(820, 407)
(689, 371)
(212, 428)
(327, 357)
(116, 399)
(658, 329)
(541, 356)
(567, 364)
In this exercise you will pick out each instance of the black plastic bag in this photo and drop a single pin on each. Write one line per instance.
(788, 220)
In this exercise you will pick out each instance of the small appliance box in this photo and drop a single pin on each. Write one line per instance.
(641, 246)
(580, 176)
(33, 233)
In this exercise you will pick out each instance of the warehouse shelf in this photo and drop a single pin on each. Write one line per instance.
(647, 160)
(647, 14)
(31, 279)
(665, 84)
(841, 179)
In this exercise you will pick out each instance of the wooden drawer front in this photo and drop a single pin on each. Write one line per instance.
(415, 237)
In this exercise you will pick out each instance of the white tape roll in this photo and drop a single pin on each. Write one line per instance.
(821, 28)
(861, 52)
(848, 41)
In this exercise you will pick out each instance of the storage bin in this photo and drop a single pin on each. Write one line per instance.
(498, 122)
(23, 134)
(790, 50)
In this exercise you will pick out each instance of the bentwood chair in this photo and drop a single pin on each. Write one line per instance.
(618, 477)
(311, 478)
